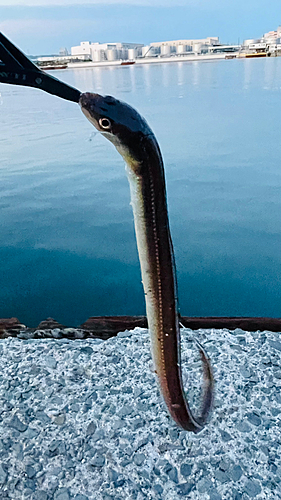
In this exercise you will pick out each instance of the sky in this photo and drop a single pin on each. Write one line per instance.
(44, 26)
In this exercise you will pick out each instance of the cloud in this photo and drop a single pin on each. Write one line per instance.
(65, 3)
(38, 27)
(42, 27)
(43, 36)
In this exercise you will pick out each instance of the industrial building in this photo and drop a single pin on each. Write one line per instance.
(180, 47)
(268, 44)
(106, 51)
(113, 51)
(95, 54)
(91, 54)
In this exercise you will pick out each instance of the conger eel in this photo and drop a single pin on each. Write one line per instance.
(135, 141)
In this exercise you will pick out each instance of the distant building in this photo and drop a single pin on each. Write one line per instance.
(272, 36)
(106, 51)
(197, 46)
(113, 51)
(63, 51)
(269, 43)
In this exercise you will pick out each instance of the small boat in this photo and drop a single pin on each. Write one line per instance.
(256, 54)
(56, 66)
(127, 63)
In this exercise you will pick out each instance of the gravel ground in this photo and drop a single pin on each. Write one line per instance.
(84, 420)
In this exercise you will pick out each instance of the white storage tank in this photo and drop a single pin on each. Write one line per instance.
(112, 54)
(197, 47)
(132, 53)
(123, 54)
(165, 50)
(181, 48)
(146, 51)
(250, 41)
(96, 55)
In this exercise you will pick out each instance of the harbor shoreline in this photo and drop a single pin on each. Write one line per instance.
(146, 60)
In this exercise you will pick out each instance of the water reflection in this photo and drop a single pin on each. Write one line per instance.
(67, 240)
(270, 76)
(180, 74)
(145, 77)
(262, 73)
(195, 73)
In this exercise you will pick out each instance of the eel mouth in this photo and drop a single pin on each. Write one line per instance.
(89, 106)
(88, 98)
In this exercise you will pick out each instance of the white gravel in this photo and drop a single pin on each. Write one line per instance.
(83, 419)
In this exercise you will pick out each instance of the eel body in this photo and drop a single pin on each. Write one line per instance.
(135, 141)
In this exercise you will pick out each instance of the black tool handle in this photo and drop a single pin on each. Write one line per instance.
(40, 80)
(17, 69)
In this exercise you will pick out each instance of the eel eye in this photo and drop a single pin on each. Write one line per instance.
(104, 123)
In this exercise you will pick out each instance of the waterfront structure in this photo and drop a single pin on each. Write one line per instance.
(89, 54)
(268, 44)
(113, 51)
(196, 46)
(272, 36)
(106, 51)
(63, 51)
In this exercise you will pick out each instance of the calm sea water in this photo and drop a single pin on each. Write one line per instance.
(67, 243)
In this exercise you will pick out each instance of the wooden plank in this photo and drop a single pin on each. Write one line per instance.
(247, 324)
(105, 327)
(115, 324)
